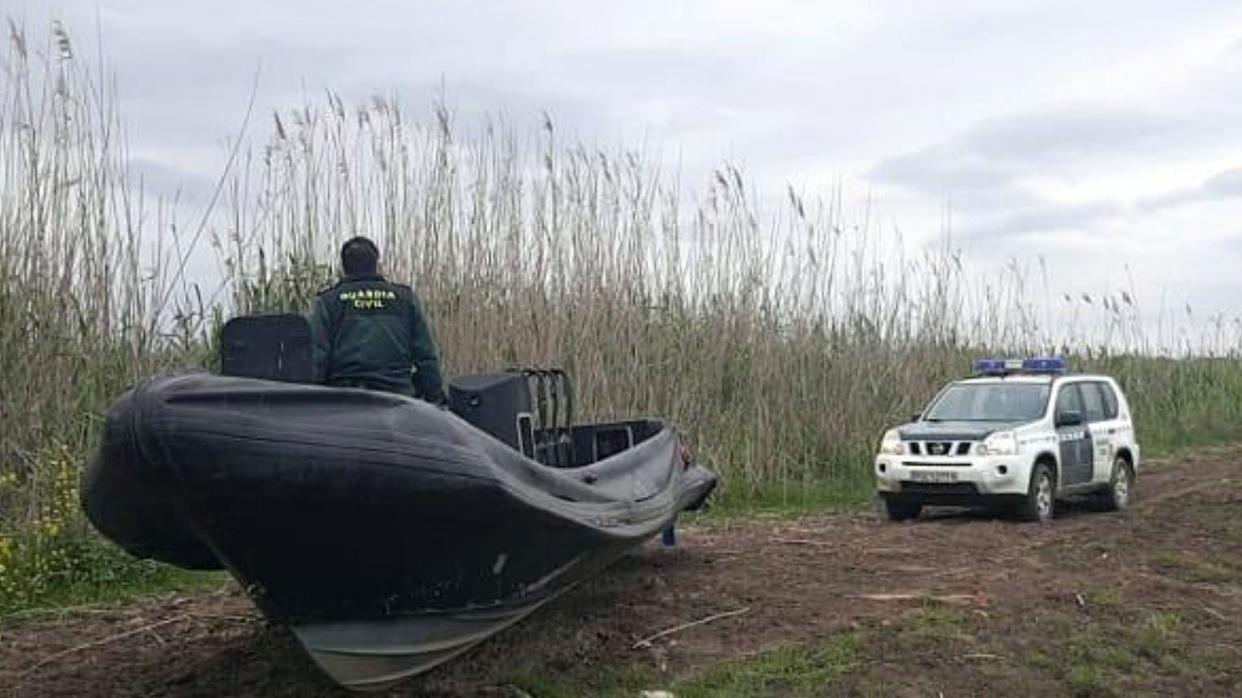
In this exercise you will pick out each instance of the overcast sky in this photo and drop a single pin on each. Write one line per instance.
(1098, 135)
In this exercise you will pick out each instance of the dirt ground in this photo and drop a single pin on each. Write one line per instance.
(1093, 604)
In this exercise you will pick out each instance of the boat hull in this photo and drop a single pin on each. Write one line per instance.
(389, 534)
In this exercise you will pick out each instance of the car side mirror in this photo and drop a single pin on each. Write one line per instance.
(916, 417)
(1069, 418)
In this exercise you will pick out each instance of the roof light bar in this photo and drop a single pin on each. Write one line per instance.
(1004, 367)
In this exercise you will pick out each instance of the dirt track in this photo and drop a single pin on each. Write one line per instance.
(949, 605)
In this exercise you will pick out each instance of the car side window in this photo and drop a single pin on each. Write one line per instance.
(1110, 400)
(1093, 402)
(1069, 400)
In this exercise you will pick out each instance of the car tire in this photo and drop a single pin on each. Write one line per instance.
(1040, 503)
(1120, 486)
(898, 509)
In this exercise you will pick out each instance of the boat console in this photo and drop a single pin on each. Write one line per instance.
(531, 410)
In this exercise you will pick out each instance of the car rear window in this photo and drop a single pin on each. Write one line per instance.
(1093, 402)
(1069, 399)
(1110, 400)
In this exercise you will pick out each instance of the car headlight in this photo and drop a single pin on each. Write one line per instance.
(891, 444)
(1002, 443)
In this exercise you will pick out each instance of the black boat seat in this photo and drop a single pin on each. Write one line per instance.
(270, 347)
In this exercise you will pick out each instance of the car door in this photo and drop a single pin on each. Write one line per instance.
(1077, 461)
(1102, 427)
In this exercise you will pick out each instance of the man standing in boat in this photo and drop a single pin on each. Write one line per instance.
(370, 333)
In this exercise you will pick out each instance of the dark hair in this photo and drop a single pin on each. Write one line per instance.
(359, 256)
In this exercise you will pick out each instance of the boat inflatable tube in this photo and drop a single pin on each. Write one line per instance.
(388, 533)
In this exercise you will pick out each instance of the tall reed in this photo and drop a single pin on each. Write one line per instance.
(85, 297)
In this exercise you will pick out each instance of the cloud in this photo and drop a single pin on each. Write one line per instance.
(1222, 185)
(996, 153)
(946, 170)
(1225, 184)
(1071, 134)
(1020, 175)
(170, 181)
(1042, 217)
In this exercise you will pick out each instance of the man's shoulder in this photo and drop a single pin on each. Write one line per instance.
(405, 290)
(327, 289)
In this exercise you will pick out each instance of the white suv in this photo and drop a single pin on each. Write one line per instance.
(1020, 433)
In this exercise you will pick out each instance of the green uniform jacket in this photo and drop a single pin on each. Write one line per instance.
(368, 333)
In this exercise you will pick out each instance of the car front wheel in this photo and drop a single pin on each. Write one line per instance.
(1120, 486)
(1041, 496)
(898, 509)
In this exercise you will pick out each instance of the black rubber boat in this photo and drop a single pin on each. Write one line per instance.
(389, 534)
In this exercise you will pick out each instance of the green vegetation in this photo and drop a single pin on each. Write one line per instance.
(53, 561)
(789, 671)
(1053, 653)
(792, 671)
(781, 340)
(1193, 568)
(1105, 598)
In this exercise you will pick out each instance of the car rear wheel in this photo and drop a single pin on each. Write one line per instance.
(898, 509)
(1041, 496)
(1120, 486)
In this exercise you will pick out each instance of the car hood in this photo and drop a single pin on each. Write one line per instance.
(952, 431)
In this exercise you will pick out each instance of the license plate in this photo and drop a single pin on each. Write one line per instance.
(933, 476)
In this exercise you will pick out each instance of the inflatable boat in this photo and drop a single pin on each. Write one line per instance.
(390, 534)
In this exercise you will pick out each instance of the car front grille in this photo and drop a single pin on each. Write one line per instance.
(948, 488)
(940, 448)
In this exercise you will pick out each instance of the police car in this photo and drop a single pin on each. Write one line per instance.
(1019, 434)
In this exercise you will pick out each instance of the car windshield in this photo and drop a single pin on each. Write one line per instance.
(990, 402)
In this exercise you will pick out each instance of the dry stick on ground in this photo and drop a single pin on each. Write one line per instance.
(95, 643)
(947, 598)
(887, 551)
(163, 643)
(646, 641)
(225, 616)
(62, 611)
(955, 572)
(1216, 614)
(803, 541)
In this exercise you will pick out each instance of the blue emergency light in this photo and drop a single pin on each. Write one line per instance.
(1005, 367)
(997, 367)
(1045, 364)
